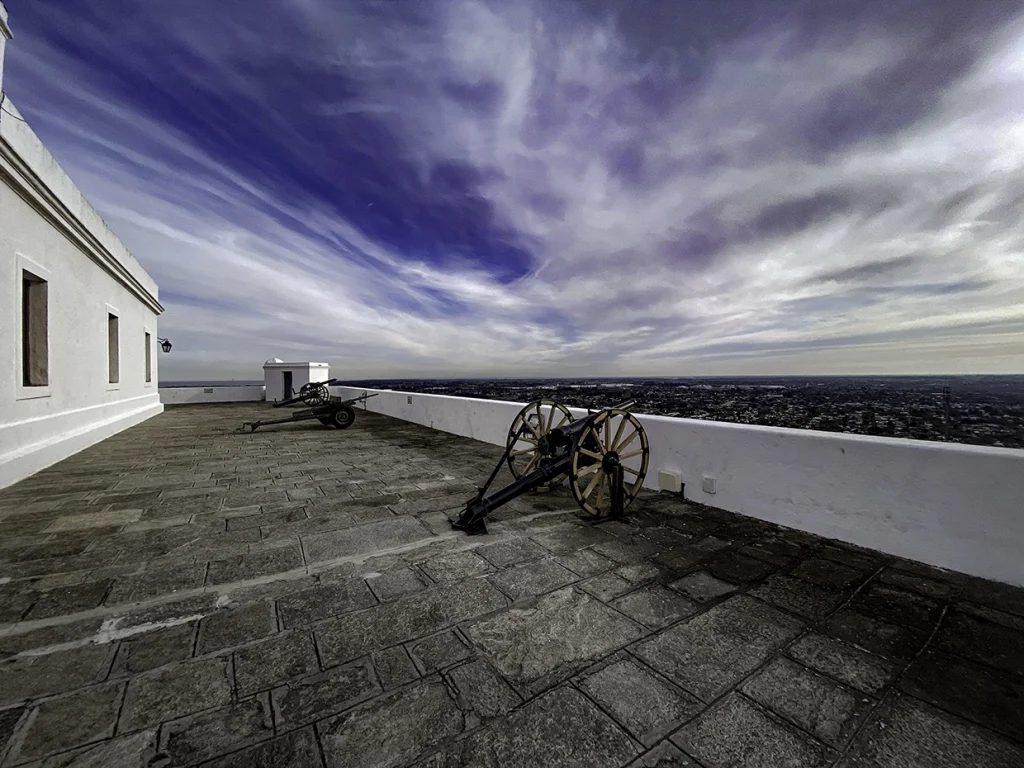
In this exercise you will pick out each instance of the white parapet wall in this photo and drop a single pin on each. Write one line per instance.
(953, 506)
(184, 395)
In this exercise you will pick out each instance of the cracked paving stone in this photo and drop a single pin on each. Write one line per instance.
(348, 637)
(906, 733)
(483, 690)
(827, 709)
(512, 552)
(712, 651)
(798, 596)
(702, 586)
(735, 567)
(415, 720)
(15, 602)
(30, 677)
(139, 750)
(655, 606)
(858, 669)
(852, 556)
(255, 564)
(626, 552)
(665, 755)
(567, 537)
(370, 537)
(561, 729)
(689, 554)
(8, 722)
(156, 581)
(309, 606)
(149, 650)
(532, 579)
(200, 737)
(271, 662)
(395, 583)
(60, 602)
(921, 584)
(44, 637)
(394, 667)
(456, 566)
(585, 563)
(981, 640)
(70, 721)
(439, 651)
(735, 732)
(986, 696)
(638, 573)
(534, 646)
(829, 574)
(898, 605)
(893, 641)
(645, 705)
(98, 519)
(327, 693)
(297, 749)
(172, 692)
(234, 626)
(606, 586)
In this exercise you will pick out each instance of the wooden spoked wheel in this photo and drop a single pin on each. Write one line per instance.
(527, 440)
(613, 437)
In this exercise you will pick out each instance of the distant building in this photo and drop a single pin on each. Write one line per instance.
(78, 315)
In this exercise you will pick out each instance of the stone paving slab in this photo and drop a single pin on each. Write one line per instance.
(181, 594)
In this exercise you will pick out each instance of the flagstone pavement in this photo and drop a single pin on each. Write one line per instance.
(181, 594)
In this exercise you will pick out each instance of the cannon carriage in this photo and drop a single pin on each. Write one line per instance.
(329, 410)
(603, 456)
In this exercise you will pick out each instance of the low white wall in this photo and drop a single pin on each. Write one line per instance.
(179, 395)
(32, 445)
(954, 506)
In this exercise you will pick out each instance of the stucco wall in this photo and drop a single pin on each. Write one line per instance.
(179, 395)
(48, 228)
(953, 506)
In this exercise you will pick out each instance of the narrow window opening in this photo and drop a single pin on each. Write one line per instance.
(113, 361)
(35, 354)
(149, 359)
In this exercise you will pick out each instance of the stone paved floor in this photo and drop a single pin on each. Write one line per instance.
(181, 595)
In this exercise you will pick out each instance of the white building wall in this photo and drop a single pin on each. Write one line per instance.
(953, 506)
(302, 373)
(48, 227)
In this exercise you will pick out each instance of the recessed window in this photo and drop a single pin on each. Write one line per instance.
(113, 361)
(35, 342)
(149, 359)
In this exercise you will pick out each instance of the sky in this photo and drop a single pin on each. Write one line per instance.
(551, 187)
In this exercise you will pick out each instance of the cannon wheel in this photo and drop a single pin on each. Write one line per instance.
(342, 417)
(314, 393)
(523, 445)
(612, 435)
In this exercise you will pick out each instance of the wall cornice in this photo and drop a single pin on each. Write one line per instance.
(27, 184)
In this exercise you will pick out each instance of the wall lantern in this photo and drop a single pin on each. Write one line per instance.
(165, 344)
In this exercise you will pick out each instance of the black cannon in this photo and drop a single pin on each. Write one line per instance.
(328, 410)
(604, 456)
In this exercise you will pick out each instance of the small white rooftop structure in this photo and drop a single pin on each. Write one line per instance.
(284, 379)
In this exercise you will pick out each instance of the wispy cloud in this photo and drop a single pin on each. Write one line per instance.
(464, 187)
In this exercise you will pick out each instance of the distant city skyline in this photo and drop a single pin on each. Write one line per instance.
(474, 188)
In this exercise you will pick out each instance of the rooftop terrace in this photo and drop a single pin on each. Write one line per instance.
(180, 593)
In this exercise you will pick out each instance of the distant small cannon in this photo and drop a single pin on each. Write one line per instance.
(328, 410)
(604, 456)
